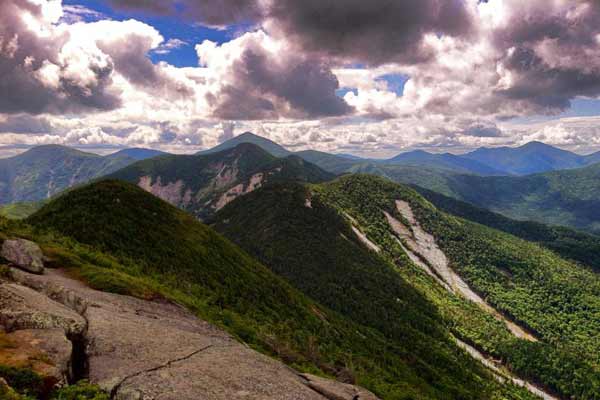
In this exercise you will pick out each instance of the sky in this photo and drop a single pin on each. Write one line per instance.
(371, 78)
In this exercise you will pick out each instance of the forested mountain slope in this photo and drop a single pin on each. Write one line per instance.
(294, 232)
(568, 243)
(204, 183)
(568, 197)
(134, 243)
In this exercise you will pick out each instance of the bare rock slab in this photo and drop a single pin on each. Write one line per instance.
(145, 350)
(25, 308)
(24, 254)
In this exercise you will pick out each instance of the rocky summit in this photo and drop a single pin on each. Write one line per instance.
(137, 349)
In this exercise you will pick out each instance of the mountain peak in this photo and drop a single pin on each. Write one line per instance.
(249, 134)
(249, 137)
(537, 145)
(138, 153)
(54, 148)
(530, 158)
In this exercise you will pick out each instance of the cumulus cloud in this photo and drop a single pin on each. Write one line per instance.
(304, 72)
(170, 45)
(260, 78)
(551, 51)
(371, 32)
(498, 58)
(37, 75)
(215, 13)
(24, 124)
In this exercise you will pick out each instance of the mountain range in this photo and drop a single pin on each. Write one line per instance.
(306, 235)
(531, 158)
(395, 288)
(44, 171)
(204, 182)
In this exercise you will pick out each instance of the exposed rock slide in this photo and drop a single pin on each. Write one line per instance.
(136, 349)
(500, 372)
(422, 248)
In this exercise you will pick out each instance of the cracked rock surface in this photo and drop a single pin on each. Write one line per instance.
(144, 350)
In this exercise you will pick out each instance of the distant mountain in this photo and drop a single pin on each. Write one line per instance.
(530, 158)
(138, 153)
(350, 156)
(443, 161)
(569, 197)
(248, 137)
(334, 163)
(551, 199)
(341, 163)
(204, 183)
(592, 158)
(43, 171)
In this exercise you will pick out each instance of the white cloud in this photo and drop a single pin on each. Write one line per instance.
(170, 45)
(93, 83)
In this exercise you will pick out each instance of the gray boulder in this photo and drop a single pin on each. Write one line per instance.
(24, 254)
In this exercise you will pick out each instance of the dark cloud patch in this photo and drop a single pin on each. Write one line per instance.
(119, 131)
(208, 12)
(545, 87)
(25, 124)
(129, 55)
(482, 130)
(373, 32)
(24, 54)
(260, 87)
(568, 23)
(552, 52)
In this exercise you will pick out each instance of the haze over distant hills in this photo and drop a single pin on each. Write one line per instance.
(443, 161)
(485, 177)
(559, 197)
(530, 158)
(43, 171)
